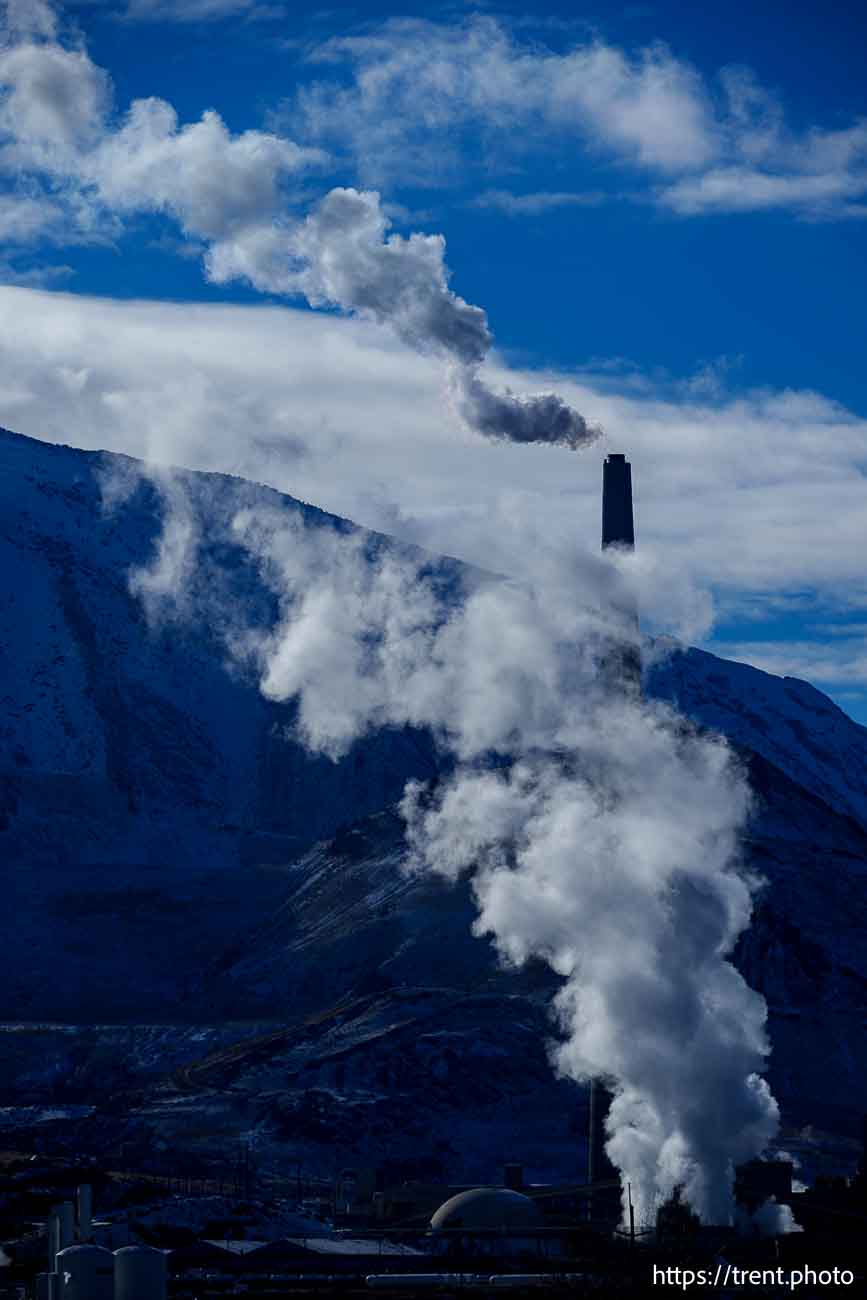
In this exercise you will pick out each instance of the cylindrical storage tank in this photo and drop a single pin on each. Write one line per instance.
(46, 1286)
(61, 1222)
(84, 1211)
(139, 1273)
(119, 1234)
(86, 1273)
(54, 1242)
(66, 1214)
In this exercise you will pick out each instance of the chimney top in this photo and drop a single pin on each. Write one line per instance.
(617, 523)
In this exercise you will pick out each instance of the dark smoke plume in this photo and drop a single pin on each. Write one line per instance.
(347, 258)
(508, 417)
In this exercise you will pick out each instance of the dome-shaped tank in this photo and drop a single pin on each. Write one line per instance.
(487, 1207)
(85, 1273)
(139, 1273)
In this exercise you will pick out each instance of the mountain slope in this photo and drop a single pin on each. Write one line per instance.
(177, 865)
(785, 720)
(137, 768)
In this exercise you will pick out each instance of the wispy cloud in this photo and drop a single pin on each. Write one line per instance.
(35, 277)
(28, 18)
(28, 220)
(523, 205)
(746, 189)
(199, 11)
(420, 102)
(757, 498)
(417, 91)
(414, 84)
(842, 662)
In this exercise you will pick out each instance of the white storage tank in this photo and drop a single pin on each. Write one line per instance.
(139, 1273)
(84, 1212)
(61, 1222)
(86, 1273)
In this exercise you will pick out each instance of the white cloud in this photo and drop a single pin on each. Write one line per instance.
(843, 662)
(761, 493)
(415, 82)
(531, 205)
(34, 276)
(418, 90)
(214, 183)
(56, 132)
(419, 94)
(197, 11)
(31, 18)
(745, 189)
(26, 220)
(53, 107)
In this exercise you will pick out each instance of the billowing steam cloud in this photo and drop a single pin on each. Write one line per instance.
(350, 260)
(235, 196)
(603, 837)
(604, 867)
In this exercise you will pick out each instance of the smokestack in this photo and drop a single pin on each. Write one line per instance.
(621, 666)
(617, 525)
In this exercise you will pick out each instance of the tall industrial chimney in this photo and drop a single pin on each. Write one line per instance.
(617, 525)
(621, 659)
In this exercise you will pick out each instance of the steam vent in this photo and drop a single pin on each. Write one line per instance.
(617, 526)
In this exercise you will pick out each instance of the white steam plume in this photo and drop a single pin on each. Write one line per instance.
(236, 196)
(605, 867)
(601, 832)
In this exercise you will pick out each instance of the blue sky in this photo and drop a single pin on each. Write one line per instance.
(661, 209)
(781, 298)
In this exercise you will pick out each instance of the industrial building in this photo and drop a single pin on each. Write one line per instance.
(80, 1269)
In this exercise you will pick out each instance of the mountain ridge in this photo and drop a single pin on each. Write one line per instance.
(174, 858)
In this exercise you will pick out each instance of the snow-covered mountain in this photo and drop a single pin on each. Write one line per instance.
(139, 774)
(785, 720)
(224, 917)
